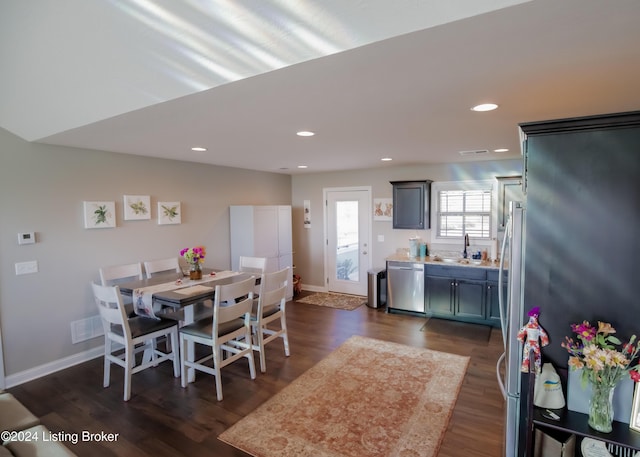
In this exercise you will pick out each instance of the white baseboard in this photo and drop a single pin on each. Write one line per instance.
(52, 367)
(314, 288)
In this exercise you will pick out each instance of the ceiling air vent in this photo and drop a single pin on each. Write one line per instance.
(476, 152)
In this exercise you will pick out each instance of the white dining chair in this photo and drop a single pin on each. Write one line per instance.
(171, 264)
(255, 266)
(270, 312)
(229, 330)
(115, 274)
(136, 334)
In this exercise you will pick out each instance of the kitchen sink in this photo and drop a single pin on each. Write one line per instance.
(457, 260)
(450, 260)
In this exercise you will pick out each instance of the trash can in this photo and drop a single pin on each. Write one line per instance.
(377, 288)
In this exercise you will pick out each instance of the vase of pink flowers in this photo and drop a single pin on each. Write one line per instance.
(604, 361)
(195, 258)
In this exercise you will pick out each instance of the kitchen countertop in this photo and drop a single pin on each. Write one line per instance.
(429, 260)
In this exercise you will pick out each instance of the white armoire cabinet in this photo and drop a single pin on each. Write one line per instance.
(262, 231)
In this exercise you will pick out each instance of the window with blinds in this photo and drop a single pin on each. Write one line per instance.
(464, 212)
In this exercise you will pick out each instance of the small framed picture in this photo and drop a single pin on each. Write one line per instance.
(137, 207)
(634, 423)
(169, 213)
(99, 215)
(382, 209)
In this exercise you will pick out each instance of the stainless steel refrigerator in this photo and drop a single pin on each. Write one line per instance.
(511, 320)
(572, 248)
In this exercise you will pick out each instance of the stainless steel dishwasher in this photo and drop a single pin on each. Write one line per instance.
(405, 286)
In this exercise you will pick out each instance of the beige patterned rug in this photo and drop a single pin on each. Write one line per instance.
(366, 398)
(334, 300)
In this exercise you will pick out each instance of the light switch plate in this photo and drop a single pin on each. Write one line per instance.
(26, 238)
(380, 238)
(24, 268)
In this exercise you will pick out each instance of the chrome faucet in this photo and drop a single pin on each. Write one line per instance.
(466, 243)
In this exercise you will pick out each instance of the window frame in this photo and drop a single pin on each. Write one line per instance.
(437, 187)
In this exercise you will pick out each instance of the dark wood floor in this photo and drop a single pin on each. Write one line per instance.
(163, 419)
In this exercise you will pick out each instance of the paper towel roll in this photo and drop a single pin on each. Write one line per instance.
(494, 248)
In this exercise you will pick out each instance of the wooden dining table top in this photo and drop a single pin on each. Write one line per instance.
(181, 299)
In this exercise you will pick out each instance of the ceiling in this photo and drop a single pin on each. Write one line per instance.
(372, 78)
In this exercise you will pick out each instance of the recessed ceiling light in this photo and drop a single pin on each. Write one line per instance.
(302, 166)
(305, 133)
(501, 150)
(386, 159)
(198, 149)
(485, 107)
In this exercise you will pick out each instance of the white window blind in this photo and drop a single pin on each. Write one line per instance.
(464, 212)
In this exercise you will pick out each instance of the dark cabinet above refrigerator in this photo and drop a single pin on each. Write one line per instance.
(411, 204)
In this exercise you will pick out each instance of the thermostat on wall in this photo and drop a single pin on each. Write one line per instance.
(26, 238)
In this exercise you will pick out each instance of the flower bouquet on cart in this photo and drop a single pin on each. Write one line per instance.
(604, 361)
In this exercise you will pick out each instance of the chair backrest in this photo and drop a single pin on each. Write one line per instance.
(275, 280)
(237, 298)
(116, 273)
(163, 265)
(109, 302)
(273, 290)
(253, 265)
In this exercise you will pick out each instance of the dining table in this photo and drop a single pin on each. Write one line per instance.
(177, 291)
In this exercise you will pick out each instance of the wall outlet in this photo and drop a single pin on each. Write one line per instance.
(25, 268)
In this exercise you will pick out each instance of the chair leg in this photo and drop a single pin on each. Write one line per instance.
(107, 363)
(128, 368)
(183, 358)
(217, 358)
(175, 350)
(285, 335)
(263, 361)
(252, 364)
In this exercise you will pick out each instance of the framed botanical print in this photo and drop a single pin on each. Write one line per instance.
(169, 213)
(137, 207)
(99, 214)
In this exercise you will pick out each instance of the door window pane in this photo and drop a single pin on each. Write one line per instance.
(347, 258)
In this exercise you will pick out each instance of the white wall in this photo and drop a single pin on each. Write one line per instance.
(42, 189)
(308, 243)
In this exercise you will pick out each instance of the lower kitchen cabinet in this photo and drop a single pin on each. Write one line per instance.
(437, 295)
(468, 298)
(460, 293)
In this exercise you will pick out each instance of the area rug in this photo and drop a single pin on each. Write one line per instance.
(334, 300)
(366, 398)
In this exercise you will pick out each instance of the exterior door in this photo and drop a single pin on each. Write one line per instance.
(348, 234)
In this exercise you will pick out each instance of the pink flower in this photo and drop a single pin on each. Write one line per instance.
(634, 375)
(585, 331)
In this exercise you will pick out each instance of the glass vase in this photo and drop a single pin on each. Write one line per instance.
(601, 407)
(195, 272)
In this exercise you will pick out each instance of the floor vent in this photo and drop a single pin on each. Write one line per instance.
(86, 329)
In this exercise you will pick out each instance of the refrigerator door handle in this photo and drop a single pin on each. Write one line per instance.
(499, 376)
(501, 299)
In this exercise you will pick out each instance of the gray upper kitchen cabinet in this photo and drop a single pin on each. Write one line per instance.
(411, 204)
